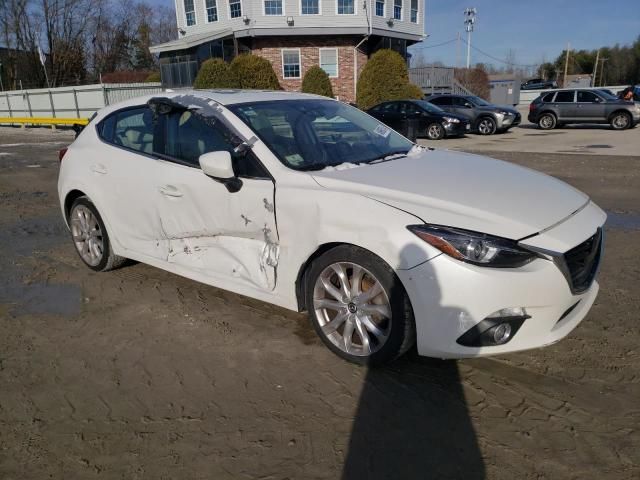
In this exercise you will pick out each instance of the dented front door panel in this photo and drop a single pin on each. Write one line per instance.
(216, 233)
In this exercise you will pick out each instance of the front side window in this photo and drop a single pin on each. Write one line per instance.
(441, 101)
(587, 97)
(235, 8)
(273, 7)
(131, 128)
(310, 7)
(379, 8)
(346, 7)
(291, 63)
(190, 12)
(414, 11)
(565, 97)
(212, 10)
(397, 9)
(314, 134)
(329, 61)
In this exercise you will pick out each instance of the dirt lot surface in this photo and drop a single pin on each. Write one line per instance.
(139, 373)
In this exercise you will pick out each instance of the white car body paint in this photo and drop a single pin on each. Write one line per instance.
(255, 241)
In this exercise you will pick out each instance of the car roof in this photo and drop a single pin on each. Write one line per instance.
(222, 96)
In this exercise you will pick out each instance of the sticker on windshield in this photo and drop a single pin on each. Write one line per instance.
(294, 159)
(382, 131)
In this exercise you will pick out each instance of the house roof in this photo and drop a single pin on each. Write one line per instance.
(191, 41)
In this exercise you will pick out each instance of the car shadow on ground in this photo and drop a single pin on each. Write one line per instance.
(412, 419)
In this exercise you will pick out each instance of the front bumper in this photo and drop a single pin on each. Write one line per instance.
(456, 129)
(449, 297)
(508, 121)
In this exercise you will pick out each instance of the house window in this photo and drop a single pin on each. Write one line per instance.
(397, 9)
(190, 12)
(414, 11)
(212, 10)
(273, 7)
(329, 61)
(235, 8)
(346, 7)
(310, 7)
(379, 8)
(291, 63)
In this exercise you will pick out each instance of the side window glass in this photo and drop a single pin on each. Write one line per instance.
(442, 101)
(588, 97)
(390, 107)
(188, 136)
(565, 97)
(106, 128)
(410, 108)
(133, 129)
(548, 97)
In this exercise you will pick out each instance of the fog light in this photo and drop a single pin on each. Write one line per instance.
(501, 334)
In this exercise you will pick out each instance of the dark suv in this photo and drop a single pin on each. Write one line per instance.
(538, 84)
(485, 118)
(560, 107)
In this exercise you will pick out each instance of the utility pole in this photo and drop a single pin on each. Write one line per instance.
(458, 50)
(602, 72)
(595, 69)
(566, 66)
(469, 21)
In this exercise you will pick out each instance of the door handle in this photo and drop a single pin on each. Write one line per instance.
(170, 191)
(98, 168)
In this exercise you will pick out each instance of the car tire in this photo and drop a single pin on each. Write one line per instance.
(486, 126)
(371, 303)
(547, 121)
(435, 131)
(90, 237)
(621, 121)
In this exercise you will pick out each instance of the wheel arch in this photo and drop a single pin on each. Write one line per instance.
(71, 197)
(617, 111)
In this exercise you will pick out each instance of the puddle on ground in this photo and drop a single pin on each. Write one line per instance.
(597, 145)
(623, 221)
(41, 298)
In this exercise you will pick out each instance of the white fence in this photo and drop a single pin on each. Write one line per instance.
(70, 102)
(528, 96)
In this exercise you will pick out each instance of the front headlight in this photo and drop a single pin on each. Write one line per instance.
(506, 114)
(451, 120)
(473, 247)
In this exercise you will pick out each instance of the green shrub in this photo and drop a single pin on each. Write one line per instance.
(317, 81)
(253, 71)
(385, 77)
(153, 77)
(215, 73)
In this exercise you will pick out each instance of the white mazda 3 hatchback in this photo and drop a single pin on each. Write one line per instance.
(311, 204)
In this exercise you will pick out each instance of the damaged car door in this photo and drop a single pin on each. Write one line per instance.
(224, 230)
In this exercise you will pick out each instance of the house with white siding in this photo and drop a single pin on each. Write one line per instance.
(337, 35)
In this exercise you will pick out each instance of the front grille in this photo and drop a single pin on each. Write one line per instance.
(582, 262)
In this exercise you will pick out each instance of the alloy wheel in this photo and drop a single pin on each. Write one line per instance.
(486, 126)
(546, 122)
(87, 235)
(352, 308)
(621, 121)
(434, 132)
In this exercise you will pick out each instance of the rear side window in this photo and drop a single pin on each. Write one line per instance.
(548, 97)
(565, 96)
(442, 101)
(131, 128)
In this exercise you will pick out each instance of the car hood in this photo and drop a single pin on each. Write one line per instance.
(462, 190)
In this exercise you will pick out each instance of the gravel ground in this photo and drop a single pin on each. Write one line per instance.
(139, 373)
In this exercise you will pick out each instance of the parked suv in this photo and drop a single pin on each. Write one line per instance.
(538, 84)
(582, 105)
(485, 118)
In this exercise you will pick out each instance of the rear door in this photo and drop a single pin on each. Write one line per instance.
(564, 105)
(590, 107)
(209, 230)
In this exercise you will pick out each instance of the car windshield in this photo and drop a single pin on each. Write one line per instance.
(314, 134)
(478, 101)
(607, 95)
(429, 107)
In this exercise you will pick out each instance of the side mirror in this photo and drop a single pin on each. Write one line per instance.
(468, 105)
(218, 166)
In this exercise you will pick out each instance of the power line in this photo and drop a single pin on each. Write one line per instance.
(500, 59)
(424, 47)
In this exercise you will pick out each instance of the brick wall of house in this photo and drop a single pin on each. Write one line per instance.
(343, 86)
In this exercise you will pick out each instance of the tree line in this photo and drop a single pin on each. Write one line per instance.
(80, 40)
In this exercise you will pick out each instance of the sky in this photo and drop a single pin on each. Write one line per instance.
(533, 29)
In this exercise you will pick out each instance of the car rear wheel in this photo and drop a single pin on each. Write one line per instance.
(435, 131)
(90, 237)
(547, 121)
(620, 121)
(358, 306)
(486, 126)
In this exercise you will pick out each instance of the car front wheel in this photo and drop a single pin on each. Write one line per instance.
(90, 237)
(620, 121)
(547, 121)
(486, 126)
(435, 131)
(358, 306)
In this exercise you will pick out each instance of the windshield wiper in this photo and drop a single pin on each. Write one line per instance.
(388, 158)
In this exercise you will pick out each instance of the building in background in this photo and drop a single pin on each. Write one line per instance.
(338, 35)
